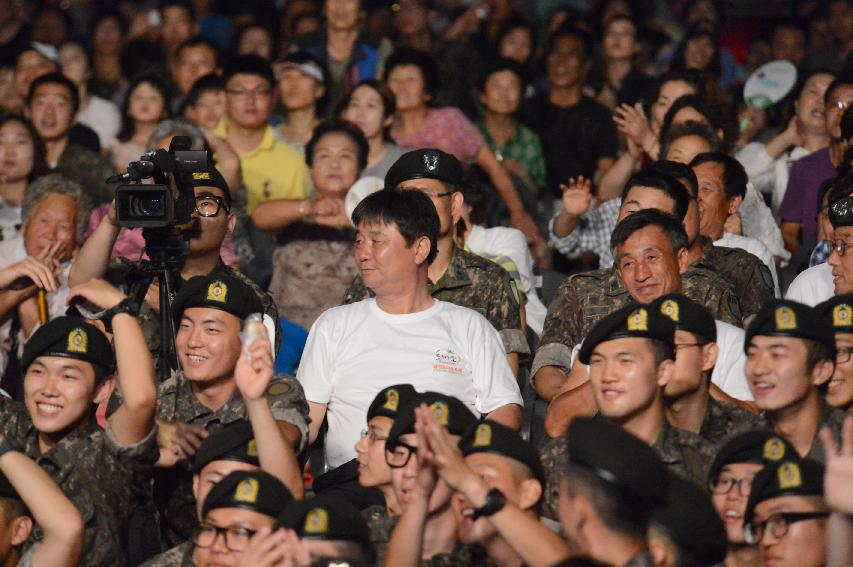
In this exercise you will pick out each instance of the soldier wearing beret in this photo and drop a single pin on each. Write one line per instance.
(687, 396)
(456, 276)
(790, 355)
(786, 514)
(221, 381)
(841, 217)
(687, 531)
(730, 479)
(213, 221)
(236, 508)
(69, 368)
(839, 310)
(651, 254)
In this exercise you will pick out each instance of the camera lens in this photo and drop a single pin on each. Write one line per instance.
(152, 207)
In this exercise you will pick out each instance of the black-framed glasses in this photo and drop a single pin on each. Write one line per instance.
(724, 485)
(236, 537)
(842, 354)
(838, 246)
(777, 524)
(399, 454)
(209, 205)
(372, 436)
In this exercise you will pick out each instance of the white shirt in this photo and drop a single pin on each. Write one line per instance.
(769, 175)
(812, 286)
(103, 117)
(754, 247)
(758, 222)
(354, 351)
(511, 243)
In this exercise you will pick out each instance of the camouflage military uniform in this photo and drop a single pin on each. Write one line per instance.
(749, 277)
(102, 477)
(830, 417)
(120, 274)
(176, 402)
(586, 298)
(379, 525)
(723, 420)
(476, 283)
(179, 556)
(682, 452)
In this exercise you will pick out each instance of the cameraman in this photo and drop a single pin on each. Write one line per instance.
(211, 222)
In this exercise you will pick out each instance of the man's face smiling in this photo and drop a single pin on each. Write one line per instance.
(208, 344)
(383, 256)
(649, 266)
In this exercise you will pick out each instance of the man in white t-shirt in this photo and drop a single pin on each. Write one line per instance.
(401, 335)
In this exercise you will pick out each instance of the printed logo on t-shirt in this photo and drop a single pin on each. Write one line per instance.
(446, 360)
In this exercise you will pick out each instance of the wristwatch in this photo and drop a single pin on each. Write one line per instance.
(127, 305)
(495, 501)
(9, 445)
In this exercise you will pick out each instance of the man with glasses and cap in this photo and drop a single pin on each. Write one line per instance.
(839, 390)
(790, 357)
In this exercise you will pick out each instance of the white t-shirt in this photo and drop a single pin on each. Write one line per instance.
(812, 286)
(754, 247)
(728, 373)
(511, 243)
(353, 351)
(102, 116)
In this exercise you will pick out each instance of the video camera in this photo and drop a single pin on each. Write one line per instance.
(170, 201)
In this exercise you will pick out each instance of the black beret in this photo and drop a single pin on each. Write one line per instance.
(760, 447)
(841, 212)
(687, 315)
(692, 523)
(72, 338)
(211, 178)
(390, 400)
(425, 164)
(257, 490)
(786, 318)
(793, 476)
(217, 291)
(632, 321)
(326, 518)
(235, 442)
(7, 490)
(492, 437)
(839, 310)
(618, 458)
(449, 411)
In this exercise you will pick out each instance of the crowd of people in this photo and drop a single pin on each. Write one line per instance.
(456, 282)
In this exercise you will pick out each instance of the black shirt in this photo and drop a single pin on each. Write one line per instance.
(573, 138)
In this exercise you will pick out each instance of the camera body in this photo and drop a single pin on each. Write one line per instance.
(170, 201)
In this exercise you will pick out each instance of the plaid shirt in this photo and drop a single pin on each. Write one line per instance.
(592, 233)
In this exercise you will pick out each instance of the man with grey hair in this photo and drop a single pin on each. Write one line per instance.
(54, 213)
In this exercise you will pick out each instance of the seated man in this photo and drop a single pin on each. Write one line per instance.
(455, 275)
(790, 356)
(237, 507)
(29, 497)
(355, 350)
(220, 382)
(730, 479)
(687, 396)
(839, 310)
(585, 298)
(68, 371)
(212, 222)
(786, 514)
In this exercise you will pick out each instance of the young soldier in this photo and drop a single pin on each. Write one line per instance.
(730, 481)
(68, 370)
(786, 514)
(839, 310)
(689, 405)
(220, 382)
(238, 506)
(790, 351)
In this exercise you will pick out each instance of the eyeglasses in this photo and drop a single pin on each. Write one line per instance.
(839, 247)
(841, 105)
(842, 354)
(244, 93)
(778, 524)
(236, 538)
(398, 455)
(371, 435)
(209, 205)
(725, 485)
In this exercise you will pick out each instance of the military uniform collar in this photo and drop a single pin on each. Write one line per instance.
(233, 409)
(455, 276)
(66, 452)
(614, 286)
(666, 444)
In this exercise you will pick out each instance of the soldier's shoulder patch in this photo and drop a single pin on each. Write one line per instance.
(279, 388)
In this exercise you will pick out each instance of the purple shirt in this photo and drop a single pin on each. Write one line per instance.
(800, 202)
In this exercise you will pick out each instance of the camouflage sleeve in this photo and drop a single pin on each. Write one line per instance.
(356, 292)
(287, 403)
(551, 354)
(758, 290)
(562, 323)
(554, 457)
(724, 306)
(504, 314)
(140, 455)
